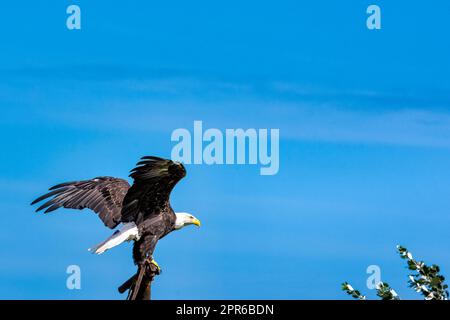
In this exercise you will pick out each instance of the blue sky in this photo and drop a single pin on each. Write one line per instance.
(364, 123)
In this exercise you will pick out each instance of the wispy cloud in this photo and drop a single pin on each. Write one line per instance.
(133, 100)
(410, 127)
(176, 83)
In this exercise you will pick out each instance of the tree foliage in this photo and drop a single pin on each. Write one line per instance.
(424, 279)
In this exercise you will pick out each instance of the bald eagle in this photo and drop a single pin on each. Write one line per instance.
(143, 209)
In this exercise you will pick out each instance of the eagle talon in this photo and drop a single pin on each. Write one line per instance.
(151, 262)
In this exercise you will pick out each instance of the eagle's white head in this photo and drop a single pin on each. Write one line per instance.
(185, 219)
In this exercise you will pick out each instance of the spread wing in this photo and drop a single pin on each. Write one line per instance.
(154, 179)
(103, 195)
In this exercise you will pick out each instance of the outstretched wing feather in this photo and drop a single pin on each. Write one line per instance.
(154, 179)
(103, 195)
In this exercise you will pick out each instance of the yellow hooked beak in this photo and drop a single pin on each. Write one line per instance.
(196, 222)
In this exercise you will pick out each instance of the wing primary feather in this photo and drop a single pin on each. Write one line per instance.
(57, 199)
(53, 208)
(153, 158)
(65, 184)
(47, 195)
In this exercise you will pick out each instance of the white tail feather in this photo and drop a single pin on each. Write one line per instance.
(128, 232)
